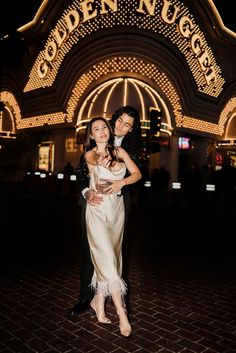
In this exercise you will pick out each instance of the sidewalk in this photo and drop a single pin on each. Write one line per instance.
(180, 270)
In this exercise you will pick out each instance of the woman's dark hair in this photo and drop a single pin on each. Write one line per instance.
(90, 143)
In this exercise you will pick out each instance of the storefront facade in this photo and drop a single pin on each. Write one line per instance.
(87, 58)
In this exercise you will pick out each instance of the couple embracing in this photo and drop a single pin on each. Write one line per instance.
(112, 155)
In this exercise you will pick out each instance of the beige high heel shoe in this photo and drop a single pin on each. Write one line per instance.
(97, 308)
(125, 327)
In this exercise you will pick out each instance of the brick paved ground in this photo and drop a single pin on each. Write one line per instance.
(181, 276)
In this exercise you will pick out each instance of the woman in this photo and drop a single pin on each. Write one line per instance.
(105, 222)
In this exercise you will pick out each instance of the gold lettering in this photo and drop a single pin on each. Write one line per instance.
(167, 14)
(42, 69)
(110, 3)
(72, 20)
(196, 44)
(210, 75)
(185, 26)
(51, 51)
(149, 6)
(87, 10)
(60, 35)
(204, 61)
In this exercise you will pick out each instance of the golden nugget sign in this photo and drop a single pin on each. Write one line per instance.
(167, 17)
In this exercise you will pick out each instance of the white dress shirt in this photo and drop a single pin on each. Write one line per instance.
(118, 141)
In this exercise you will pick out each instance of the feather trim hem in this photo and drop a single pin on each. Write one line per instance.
(109, 287)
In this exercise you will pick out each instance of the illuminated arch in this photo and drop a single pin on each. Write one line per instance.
(13, 110)
(145, 94)
(229, 115)
(123, 67)
(146, 72)
(66, 34)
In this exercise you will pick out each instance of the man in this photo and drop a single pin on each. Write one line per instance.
(126, 124)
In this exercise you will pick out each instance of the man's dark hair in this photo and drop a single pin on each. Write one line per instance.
(134, 138)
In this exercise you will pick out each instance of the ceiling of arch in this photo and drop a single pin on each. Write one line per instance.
(117, 92)
(230, 131)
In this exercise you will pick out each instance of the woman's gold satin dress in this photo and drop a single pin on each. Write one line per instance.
(105, 228)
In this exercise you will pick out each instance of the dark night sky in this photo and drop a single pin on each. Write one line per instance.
(15, 14)
(226, 11)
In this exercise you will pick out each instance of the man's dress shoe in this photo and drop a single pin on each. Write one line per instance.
(80, 307)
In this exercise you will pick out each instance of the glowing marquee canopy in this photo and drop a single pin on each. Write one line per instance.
(169, 18)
